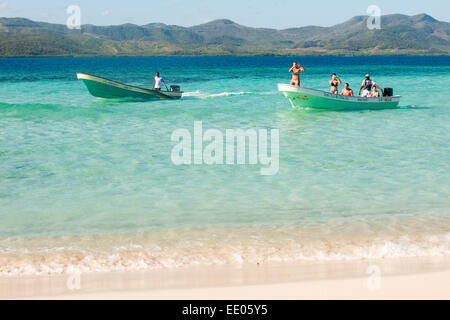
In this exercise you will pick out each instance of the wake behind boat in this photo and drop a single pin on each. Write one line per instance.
(301, 97)
(108, 89)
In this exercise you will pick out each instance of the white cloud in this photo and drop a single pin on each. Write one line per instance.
(105, 13)
(3, 5)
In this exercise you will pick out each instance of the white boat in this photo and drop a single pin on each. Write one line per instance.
(301, 97)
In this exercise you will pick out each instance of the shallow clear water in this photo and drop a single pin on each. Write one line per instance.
(89, 184)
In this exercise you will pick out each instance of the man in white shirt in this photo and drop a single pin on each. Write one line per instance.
(367, 85)
(157, 82)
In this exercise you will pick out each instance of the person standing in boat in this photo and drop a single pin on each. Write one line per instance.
(367, 85)
(334, 83)
(295, 70)
(347, 91)
(158, 81)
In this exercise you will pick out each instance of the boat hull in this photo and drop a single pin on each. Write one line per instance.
(108, 89)
(300, 97)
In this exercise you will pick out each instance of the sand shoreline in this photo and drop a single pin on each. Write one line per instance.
(405, 278)
(428, 286)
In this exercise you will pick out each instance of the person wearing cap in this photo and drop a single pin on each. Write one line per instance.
(367, 85)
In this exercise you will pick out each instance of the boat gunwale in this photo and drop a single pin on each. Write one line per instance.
(90, 77)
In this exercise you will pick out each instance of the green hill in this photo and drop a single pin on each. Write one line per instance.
(400, 34)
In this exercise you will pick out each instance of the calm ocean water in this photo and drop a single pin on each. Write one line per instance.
(88, 184)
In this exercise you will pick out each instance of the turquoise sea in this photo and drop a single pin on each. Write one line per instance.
(89, 185)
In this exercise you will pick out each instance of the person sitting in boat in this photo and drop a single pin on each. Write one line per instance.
(374, 93)
(295, 70)
(367, 85)
(347, 91)
(158, 81)
(334, 83)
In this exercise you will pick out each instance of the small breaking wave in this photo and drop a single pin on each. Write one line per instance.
(123, 253)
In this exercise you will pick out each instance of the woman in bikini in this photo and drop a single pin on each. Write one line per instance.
(295, 70)
(334, 83)
(374, 93)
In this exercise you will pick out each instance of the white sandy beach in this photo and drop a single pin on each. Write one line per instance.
(413, 278)
(420, 286)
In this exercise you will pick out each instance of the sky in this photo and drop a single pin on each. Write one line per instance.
(277, 14)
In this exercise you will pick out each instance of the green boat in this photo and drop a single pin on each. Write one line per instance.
(108, 89)
(301, 97)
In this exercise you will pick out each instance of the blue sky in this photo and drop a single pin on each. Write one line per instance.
(256, 13)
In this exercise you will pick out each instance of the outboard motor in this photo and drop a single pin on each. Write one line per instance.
(388, 92)
(175, 88)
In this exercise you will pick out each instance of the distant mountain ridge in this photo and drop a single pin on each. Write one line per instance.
(400, 35)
